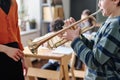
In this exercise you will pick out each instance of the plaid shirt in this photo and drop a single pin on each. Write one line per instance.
(101, 55)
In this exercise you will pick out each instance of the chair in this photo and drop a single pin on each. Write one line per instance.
(33, 73)
(76, 73)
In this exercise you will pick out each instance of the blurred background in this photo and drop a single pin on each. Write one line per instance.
(36, 15)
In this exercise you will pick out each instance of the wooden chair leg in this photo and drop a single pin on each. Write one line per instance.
(29, 64)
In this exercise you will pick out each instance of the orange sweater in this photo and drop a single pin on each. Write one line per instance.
(9, 30)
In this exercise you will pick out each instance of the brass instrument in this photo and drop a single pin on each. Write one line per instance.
(33, 46)
(62, 41)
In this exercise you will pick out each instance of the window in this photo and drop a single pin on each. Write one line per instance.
(25, 23)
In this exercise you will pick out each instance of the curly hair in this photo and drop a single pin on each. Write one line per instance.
(57, 25)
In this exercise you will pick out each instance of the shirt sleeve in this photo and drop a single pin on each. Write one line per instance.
(102, 51)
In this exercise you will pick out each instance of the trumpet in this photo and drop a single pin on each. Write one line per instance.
(62, 41)
(33, 46)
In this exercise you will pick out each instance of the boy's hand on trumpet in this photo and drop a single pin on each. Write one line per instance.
(69, 21)
(71, 34)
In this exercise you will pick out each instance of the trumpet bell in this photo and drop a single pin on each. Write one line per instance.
(32, 46)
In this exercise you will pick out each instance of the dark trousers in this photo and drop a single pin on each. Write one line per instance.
(10, 69)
